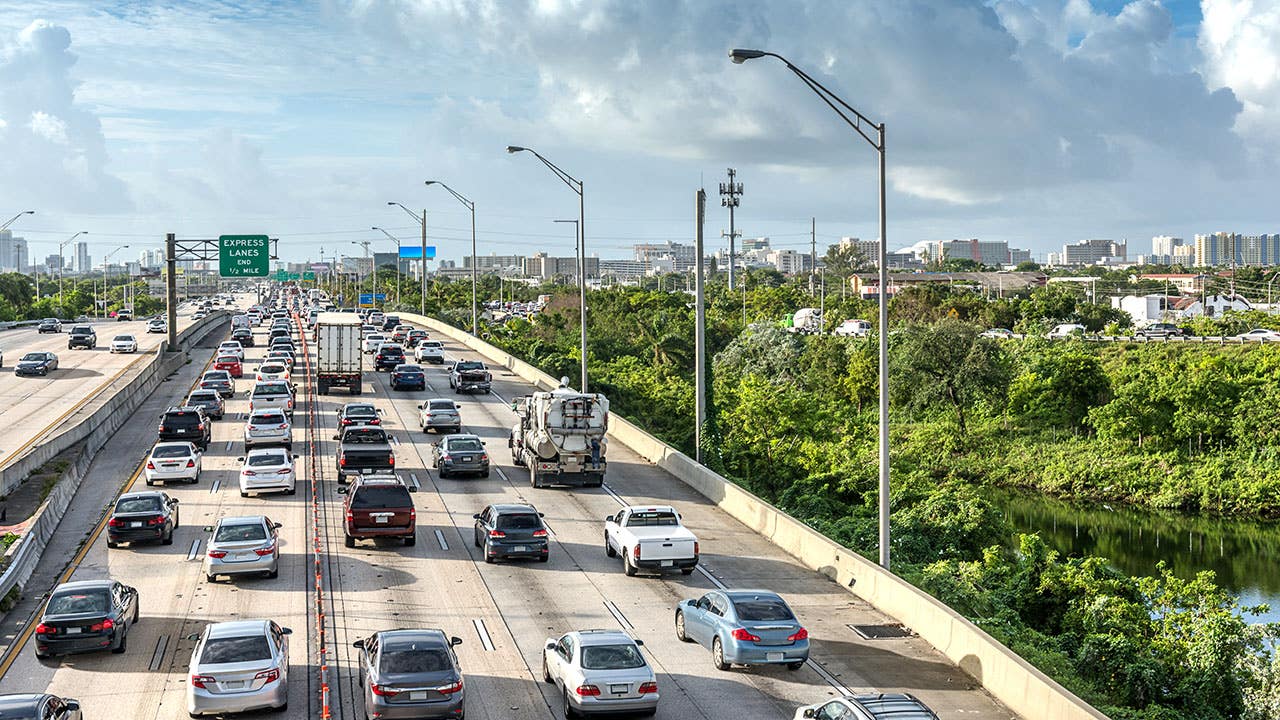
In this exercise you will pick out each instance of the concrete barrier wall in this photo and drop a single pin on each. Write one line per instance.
(1011, 679)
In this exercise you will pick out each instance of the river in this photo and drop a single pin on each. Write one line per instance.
(1245, 554)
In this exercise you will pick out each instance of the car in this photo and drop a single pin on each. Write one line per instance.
(278, 332)
(124, 315)
(408, 376)
(650, 537)
(242, 545)
(282, 344)
(199, 315)
(244, 336)
(877, 706)
(1065, 330)
(268, 469)
(410, 673)
(230, 363)
(285, 356)
(178, 460)
(997, 334)
(82, 336)
(511, 530)
(357, 414)
(49, 325)
(457, 454)
(231, 347)
(36, 363)
(744, 627)
(371, 342)
(468, 375)
(378, 506)
(853, 328)
(431, 351)
(86, 616)
(272, 394)
(272, 370)
(219, 380)
(400, 334)
(142, 516)
(214, 406)
(239, 666)
(269, 426)
(1159, 330)
(1260, 334)
(387, 323)
(187, 423)
(600, 672)
(414, 337)
(39, 706)
(157, 325)
(441, 415)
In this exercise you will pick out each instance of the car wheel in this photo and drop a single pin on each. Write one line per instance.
(292, 490)
(136, 612)
(211, 578)
(349, 541)
(717, 655)
(273, 573)
(168, 538)
(627, 567)
(484, 474)
(686, 571)
(122, 645)
(546, 672)
(680, 634)
(608, 549)
(282, 708)
(244, 494)
(411, 540)
(112, 545)
(569, 712)
(475, 539)
(150, 482)
(795, 665)
(490, 559)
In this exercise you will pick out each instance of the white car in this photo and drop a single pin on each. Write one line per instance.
(267, 469)
(372, 341)
(1260, 334)
(1066, 330)
(231, 347)
(157, 326)
(239, 666)
(856, 707)
(273, 370)
(284, 356)
(431, 351)
(173, 461)
(124, 344)
(199, 315)
(997, 334)
(853, 328)
(610, 663)
(268, 427)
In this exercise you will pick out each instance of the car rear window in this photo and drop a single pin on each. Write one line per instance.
(465, 445)
(261, 459)
(364, 436)
(470, 365)
(412, 658)
(360, 411)
(749, 610)
(138, 505)
(519, 521)
(228, 359)
(611, 657)
(181, 419)
(273, 388)
(240, 533)
(378, 497)
(170, 451)
(272, 368)
(391, 350)
(442, 405)
(81, 602)
(204, 396)
(217, 375)
(653, 519)
(433, 344)
(218, 651)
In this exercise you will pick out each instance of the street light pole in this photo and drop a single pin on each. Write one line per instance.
(62, 262)
(11, 220)
(577, 186)
(858, 122)
(396, 240)
(422, 286)
(105, 261)
(475, 327)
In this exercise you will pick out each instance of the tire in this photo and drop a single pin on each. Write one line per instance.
(292, 491)
(211, 578)
(795, 665)
(282, 708)
(168, 538)
(411, 540)
(608, 549)
(349, 541)
(687, 571)
(680, 633)
(484, 474)
(150, 482)
(569, 712)
(443, 474)
(122, 646)
(533, 477)
(475, 539)
(490, 559)
(244, 494)
(627, 567)
(717, 655)
(273, 574)
(137, 610)
(112, 546)
(546, 674)
(544, 558)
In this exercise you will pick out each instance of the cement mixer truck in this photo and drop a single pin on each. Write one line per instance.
(560, 436)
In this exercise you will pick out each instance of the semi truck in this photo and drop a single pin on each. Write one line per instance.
(560, 436)
(338, 356)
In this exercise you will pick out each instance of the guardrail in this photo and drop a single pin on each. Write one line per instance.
(93, 430)
(1011, 679)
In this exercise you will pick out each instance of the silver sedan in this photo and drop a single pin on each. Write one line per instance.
(239, 666)
(600, 671)
(240, 545)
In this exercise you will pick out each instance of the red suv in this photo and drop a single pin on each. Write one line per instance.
(378, 506)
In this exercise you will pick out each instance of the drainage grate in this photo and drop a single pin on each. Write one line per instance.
(878, 632)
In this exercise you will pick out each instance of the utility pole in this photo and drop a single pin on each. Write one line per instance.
(729, 197)
(699, 331)
(813, 251)
(171, 289)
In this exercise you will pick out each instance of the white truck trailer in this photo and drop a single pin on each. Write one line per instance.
(560, 437)
(338, 356)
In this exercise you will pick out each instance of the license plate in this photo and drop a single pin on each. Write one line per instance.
(773, 657)
(381, 519)
(418, 695)
(233, 684)
(619, 689)
(135, 524)
(668, 563)
(182, 432)
(171, 465)
(74, 630)
(466, 458)
(520, 548)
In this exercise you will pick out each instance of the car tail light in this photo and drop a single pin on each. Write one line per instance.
(743, 634)
(376, 421)
(161, 428)
(263, 552)
(217, 554)
(798, 635)
(270, 676)
(539, 533)
(695, 547)
(384, 691)
(284, 426)
(115, 522)
(450, 689)
(43, 629)
(346, 421)
(200, 427)
(649, 687)
(342, 461)
(391, 459)
(250, 473)
(107, 624)
(413, 515)
(497, 534)
(151, 465)
(200, 680)
(484, 456)
(191, 463)
(635, 552)
(351, 517)
(587, 691)
(283, 471)
(157, 520)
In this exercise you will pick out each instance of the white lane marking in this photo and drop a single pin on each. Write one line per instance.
(829, 678)
(614, 495)
(213, 489)
(228, 446)
(714, 580)
(195, 548)
(483, 632)
(617, 615)
(395, 440)
(162, 644)
(413, 478)
(501, 474)
(495, 394)
(440, 539)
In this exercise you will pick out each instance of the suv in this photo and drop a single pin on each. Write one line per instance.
(378, 506)
(49, 325)
(388, 357)
(82, 336)
(1159, 330)
(187, 422)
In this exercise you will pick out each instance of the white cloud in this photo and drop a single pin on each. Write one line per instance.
(48, 127)
(1240, 40)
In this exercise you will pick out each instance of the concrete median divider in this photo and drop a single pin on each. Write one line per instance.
(1011, 679)
(90, 429)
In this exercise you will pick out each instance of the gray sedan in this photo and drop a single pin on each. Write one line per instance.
(411, 674)
(456, 454)
(240, 545)
(440, 415)
(600, 671)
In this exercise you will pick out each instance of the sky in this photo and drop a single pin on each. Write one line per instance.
(1039, 122)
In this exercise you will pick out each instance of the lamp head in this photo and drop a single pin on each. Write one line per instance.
(375, 227)
(515, 149)
(430, 182)
(739, 55)
(28, 212)
(391, 202)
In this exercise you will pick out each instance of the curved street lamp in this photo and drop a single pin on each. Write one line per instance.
(475, 327)
(396, 240)
(422, 288)
(11, 220)
(105, 258)
(862, 125)
(61, 262)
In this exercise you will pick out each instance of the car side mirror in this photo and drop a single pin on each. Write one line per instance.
(639, 642)
(809, 712)
(208, 528)
(608, 518)
(342, 489)
(173, 501)
(476, 516)
(295, 456)
(541, 515)
(359, 644)
(457, 406)
(335, 437)
(286, 631)
(193, 637)
(72, 706)
(551, 645)
(240, 459)
(420, 407)
(413, 489)
(277, 525)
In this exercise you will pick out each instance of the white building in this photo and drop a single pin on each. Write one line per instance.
(1216, 306)
(1144, 309)
(683, 256)
(83, 263)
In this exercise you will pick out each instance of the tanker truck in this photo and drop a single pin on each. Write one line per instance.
(560, 436)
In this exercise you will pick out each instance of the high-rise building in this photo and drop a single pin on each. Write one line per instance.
(1092, 252)
(683, 256)
(13, 252)
(760, 243)
(494, 262)
(82, 262)
(151, 259)
(545, 267)
(1215, 249)
(983, 252)
(52, 264)
(1225, 248)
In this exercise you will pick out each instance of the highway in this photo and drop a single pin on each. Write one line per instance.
(503, 612)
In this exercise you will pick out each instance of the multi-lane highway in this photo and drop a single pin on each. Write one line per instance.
(503, 612)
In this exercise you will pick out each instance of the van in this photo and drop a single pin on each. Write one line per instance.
(1066, 330)
(240, 321)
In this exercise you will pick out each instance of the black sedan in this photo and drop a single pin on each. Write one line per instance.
(244, 336)
(143, 516)
(39, 705)
(388, 357)
(408, 377)
(36, 363)
(85, 616)
(49, 325)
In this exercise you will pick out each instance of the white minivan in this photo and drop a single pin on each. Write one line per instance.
(1066, 330)
(853, 328)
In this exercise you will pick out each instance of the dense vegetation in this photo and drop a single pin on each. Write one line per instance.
(793, 419)
(19, 301)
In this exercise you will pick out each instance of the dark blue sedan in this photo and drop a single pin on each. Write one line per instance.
(36, 363)
(408, 377)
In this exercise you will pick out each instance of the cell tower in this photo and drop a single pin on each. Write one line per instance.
(729, 197)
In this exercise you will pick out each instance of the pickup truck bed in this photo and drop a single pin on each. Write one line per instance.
(650, 538)
(364, 449)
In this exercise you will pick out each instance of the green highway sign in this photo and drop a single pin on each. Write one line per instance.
(309, 276)
(244, 256)
(294, 276)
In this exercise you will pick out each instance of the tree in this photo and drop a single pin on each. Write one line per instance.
(948, 364)
(843, 260)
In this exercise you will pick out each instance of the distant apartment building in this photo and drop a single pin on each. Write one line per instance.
(358, 265)
(545, 267)
(868, 249)
(983, 252)
(759, 243)
(151, 259)
(623, 269)
(494, 262)
(1162, 250)
(1222, 249)
(683, 256)
(1092, 252)
(790, 262)
(52, 264)
(83, 263)
(13, 252)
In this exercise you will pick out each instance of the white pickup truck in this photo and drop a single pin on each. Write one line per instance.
(650, 537)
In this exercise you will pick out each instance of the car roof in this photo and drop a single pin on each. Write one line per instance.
(141, 494)
(752, 595)
(243, 520)
(431, 636)
(184, 408)
(81, 585)
(176, 443)
(461, 436)
(267, 451)
(237, 628)
(20, 701)
(899, 706)
(602, 637)
(505, 508)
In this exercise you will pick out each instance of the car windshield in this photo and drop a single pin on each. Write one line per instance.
(138, 505)
(240, 532)
(757, 609)
(413, 658)
(170, 451)
(218, 651)
(359, 411)
(124, 338)
(442, 405)
(228, 359)
(470, 365)
(378, 497)
(271, 389)
(95, 601)
(266, 459)
(364, 436)
(519, 521)
(464, 445)
(409, 369)
(33, 357)
(653, 518)
(81, 330)
(611, 657)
